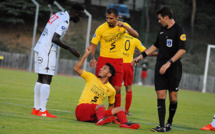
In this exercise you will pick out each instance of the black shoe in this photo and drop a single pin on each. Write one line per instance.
(159, 129)
(168, 127)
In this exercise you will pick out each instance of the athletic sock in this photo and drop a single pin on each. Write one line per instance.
(122, 117)
(117, 100)
(37, 95)
(128, 100)
(44, 96)
(161, 111)
(213, 122)
(100, 113)
(172, 110)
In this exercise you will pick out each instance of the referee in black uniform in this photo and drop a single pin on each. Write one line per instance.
(168, 69)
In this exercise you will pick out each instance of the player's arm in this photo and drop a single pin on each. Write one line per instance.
(93, 61)
(78, 65)
(110, 106)
(172, 60)
(131, 31)
(144, 54)
(57, 41)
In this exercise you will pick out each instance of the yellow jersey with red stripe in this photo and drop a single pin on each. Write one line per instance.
(95, 91)
(130, 43)
(111, 40)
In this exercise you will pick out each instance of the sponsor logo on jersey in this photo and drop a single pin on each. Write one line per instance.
(169, 42)
(40, 60)
(183, 37)
(63, 27)
(45, 32)
(161, 32)
(94, 35)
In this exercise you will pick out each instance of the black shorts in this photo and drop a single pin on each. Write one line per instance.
(170, 79)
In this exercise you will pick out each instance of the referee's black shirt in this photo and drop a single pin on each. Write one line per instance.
(169, 41)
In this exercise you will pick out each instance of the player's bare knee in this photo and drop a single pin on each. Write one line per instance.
(98, 106)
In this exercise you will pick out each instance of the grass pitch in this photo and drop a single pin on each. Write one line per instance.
(195, 109)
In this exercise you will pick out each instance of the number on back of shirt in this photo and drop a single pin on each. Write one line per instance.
(53, 18)
(127, 45)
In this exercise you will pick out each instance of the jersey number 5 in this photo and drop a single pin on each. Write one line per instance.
(95, 99)
(113, 46)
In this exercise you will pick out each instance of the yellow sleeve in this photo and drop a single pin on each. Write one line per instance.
(97, 36)
(139, 45)
(111, 98)
(86, 75)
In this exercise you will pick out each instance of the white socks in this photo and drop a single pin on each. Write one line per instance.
(37, 95)
(44, 96)
(213, 122)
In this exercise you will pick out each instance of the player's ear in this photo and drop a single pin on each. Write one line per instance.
(109, 74)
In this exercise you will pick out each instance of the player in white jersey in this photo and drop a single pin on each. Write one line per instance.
(45, 55)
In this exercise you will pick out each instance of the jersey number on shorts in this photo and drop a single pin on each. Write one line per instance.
(113, 46)
(95, 99)
(53, 18)
(127, 47)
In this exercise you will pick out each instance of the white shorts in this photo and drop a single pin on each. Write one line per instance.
(44, 63)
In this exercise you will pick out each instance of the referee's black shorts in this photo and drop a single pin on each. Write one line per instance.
(170, 79)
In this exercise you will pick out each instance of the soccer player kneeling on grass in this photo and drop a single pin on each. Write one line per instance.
(90, 108)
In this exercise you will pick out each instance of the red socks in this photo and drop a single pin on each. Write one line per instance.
(100, 113)
(122, 117)
(117, 100)
(128, 100)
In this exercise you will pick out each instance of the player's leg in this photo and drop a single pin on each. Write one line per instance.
(100, 114)
(46, 72)
(211, 126)
(45, 91)
(172, 109)
(128, 99)
(128, 81)
(175, 73)
(161, 84)
(117, 80)
(86, 112)
(118, 96)
(121, 117)
(37, 96)
(36, 86)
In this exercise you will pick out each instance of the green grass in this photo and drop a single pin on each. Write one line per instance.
(195, 109)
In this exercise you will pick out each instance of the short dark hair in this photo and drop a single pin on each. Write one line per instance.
(112, 10)
(77, 7)
(165, 11)
(112, 69)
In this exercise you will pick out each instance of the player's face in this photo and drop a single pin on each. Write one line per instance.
(104, 72)
(75, 17)
(111, 19)
(162, 20)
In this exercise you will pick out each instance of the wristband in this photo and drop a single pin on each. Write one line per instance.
(144, 54)
(170, 61)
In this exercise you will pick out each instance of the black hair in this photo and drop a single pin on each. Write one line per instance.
(112, 69)
(165, 11)
(77, 7)
(112, 10)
